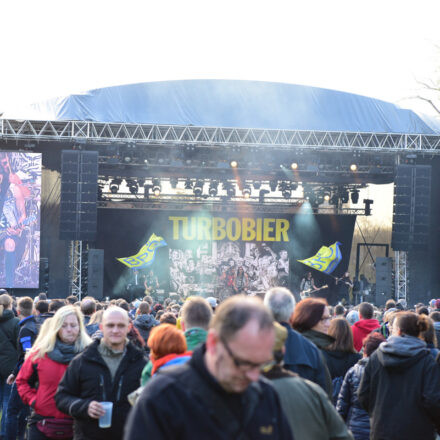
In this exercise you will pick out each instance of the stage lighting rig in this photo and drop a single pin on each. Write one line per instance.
(213, 188)
(353, 167)
(173, 182)
(233, 163)
(246, 191)
(368, 203)
(355, 196)
(261, 195)
(114, 185)
(294, 165)
(132, 186)
(188, 184)
(284, 187)
(344, 195)
(273, 185)
(334, 200)
(198, 188)
(257, 184)
(327, 194)
(156, 187)
(229, 187)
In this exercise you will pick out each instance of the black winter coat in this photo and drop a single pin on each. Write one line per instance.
(400, 389)
(26, 338)
(348, 405)
(187, 403)
(339, 362)
(88, 378)
(144, 323)
(9, 328)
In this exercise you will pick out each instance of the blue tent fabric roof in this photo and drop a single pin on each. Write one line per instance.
(228, 103)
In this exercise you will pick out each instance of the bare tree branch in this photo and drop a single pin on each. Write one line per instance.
(429, 102)
(429, 87)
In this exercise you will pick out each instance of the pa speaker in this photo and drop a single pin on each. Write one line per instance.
(384, 280)
(411, 213)
(79, 192)
(95, 274)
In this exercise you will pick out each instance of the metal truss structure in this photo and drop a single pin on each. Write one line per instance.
(400, 273)
(101, 132)
(75, 267)
(218, 204)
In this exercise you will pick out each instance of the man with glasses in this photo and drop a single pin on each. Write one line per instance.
(219, 394)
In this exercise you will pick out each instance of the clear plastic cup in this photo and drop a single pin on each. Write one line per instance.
(105, 421)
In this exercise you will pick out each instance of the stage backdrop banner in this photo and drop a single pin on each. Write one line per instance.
(213, 254)
(20, 199)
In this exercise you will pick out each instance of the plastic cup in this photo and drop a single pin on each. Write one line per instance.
(105, 421)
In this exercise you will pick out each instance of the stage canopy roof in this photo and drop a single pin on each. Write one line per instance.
(227, 103)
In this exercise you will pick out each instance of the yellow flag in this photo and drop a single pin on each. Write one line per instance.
(146, 254)
(326, 259)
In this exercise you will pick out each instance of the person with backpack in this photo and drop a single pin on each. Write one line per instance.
(348, 405)
(340, 355)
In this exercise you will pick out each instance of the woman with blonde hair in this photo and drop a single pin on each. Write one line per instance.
(9, 329)
(59, 340)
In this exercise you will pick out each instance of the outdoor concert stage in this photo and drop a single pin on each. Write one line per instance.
(166, 151)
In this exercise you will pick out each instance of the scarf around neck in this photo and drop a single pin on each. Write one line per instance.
(62, 353)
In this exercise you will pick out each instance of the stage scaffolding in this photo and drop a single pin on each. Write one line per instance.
(101, 132)
(401, 273)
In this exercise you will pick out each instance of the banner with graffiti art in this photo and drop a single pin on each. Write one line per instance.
(20, 199)
(213, 254)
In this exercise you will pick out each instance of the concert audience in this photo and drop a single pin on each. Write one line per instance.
(365, 325)
(9, 329)
(59, 340)
(144, 321)
(17, 410)
(348, 405)
(435, 316)
(108, 370)
(301, 356)
(400, 387)
(340, 355)
(309, 412)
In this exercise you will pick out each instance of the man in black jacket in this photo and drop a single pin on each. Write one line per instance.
(107, 370)
(17, 410)
(218, 394)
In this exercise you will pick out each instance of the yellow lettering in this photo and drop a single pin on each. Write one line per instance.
(259, 229)
(204, 228)
(267, 229)
(218, 228)
(248, 229)
(282, 226)
(185, 232)
(176, 221)
(233, 229)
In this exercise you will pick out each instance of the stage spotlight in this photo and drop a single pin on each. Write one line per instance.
(147, 191)
(132, 186)
(246, 191)
(173, 182)
(320, 199)
(334, 199)
(229, 188)
(233, 163)
(257, 184)
(355, 196)
(327, 196)
(156, 187)
(114, 185)
(198, 188)
(188, 184)
(353, 167)
(293, 186)
(294, 165)
(273, 185)
(344, 195)
(213, 188)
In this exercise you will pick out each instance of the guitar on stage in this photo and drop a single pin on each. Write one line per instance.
(309, 292)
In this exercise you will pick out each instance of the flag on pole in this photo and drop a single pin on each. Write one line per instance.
(326, 260)
(146, 254)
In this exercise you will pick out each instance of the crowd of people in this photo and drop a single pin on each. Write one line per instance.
(243, 369)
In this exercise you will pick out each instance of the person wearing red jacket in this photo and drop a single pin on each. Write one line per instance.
(366, 324)
(59, 340)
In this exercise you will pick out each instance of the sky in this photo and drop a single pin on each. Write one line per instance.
(374, 48)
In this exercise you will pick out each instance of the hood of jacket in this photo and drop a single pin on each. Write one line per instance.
(7, 315)
(194, 337)
(145, 322)
(321, 340)
(401, 352)
(367, 325)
